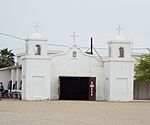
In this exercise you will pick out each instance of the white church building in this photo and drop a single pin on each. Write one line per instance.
(41, 74)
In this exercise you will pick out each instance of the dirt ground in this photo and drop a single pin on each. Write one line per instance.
(15, 112)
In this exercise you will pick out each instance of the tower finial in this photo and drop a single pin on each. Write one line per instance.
(74, 37)
(36, 26)
(119, 30)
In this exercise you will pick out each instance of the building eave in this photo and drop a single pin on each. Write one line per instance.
(11, 67)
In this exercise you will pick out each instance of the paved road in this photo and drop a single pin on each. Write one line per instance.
(14, 112)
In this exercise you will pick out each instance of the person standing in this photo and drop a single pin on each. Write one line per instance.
(1, 90)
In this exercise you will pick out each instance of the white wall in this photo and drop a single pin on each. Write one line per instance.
(19, 61)
(83, 65)
(13, 74)
(36, 78)
(120, 75)
(5, 76)
(107, 77)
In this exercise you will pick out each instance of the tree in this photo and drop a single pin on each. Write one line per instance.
(6, 58)
(142, 69)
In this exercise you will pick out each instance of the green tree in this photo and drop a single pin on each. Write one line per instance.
(6, 58)
(142, 69)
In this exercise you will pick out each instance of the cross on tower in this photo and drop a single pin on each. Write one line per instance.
(74, 37)
(119, 30)
(36, 26)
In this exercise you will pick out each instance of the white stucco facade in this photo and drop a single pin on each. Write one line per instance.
(82, 65)
(119, 80)
(119, 71)
(5, 76)
(13, 74)
(40, 70)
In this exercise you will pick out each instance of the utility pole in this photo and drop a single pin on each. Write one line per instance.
(91, 46)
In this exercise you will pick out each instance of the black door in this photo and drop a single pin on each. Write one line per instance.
(74, 88)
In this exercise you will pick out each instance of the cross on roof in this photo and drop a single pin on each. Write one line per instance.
(36, 26)
(74, 37)
(119, 30)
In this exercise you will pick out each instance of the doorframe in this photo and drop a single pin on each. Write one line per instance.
(92, 88)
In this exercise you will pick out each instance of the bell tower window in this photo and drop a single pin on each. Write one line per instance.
(121, 52)
(74, 54)
(37, 50)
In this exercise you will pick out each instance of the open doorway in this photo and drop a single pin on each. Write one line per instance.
(77, 88)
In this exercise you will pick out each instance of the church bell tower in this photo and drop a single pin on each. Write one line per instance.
(36, 69)
(36, 44)
(119, 70)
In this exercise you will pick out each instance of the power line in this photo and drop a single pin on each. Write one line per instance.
(95, 48)
(16, 37)
(58, 45)
(98, 54)
(18, 49)
(13, 36)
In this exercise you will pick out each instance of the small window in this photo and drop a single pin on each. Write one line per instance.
(74, 54)
(38, 50)
(121, 52)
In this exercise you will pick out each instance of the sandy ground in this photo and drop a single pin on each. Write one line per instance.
(13, 112)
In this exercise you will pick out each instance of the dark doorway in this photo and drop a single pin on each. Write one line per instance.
(76, 88)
